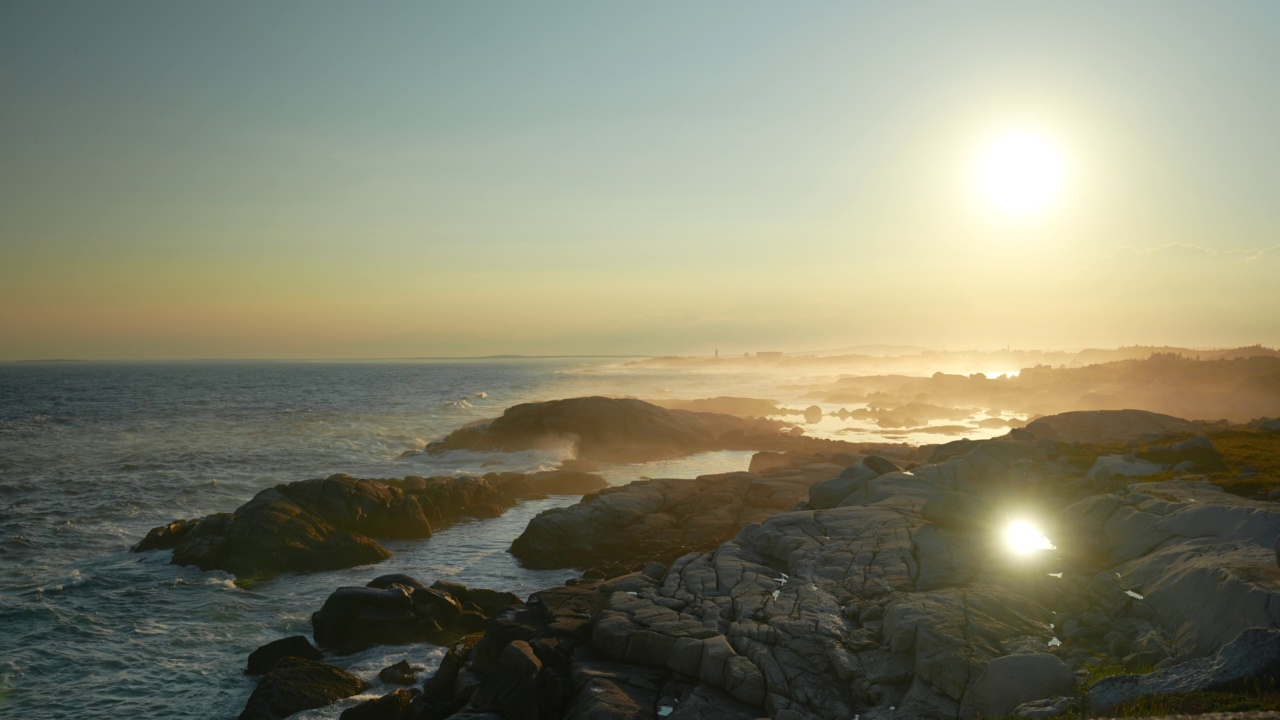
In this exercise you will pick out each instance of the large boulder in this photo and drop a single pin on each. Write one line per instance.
(396, 609)
(1251, 662)
(600, 428)
(1092, 426)
(266, 657)
(295, 684)
(661, 519)
(322, 524)
(1012, 680)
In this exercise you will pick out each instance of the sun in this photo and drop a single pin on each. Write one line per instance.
(1020, 173)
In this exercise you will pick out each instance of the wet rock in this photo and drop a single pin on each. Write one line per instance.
(401, 673)
(395, 705)
(1249, 662)
(322, 524)
(295, 684)
(1012, 680)
(396, 609)
(265, 657)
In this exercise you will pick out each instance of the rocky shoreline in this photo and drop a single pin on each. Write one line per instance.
(828, 585)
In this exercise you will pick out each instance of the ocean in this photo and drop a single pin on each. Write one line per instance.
(92, 455)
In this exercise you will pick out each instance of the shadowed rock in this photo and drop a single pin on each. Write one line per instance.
(599, 428)
(1090, 426)
(323, 524)
(294, 685)
(661, 519)
(397, 609)
(266, 657)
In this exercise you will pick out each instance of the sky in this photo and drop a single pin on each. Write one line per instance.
(342, 180)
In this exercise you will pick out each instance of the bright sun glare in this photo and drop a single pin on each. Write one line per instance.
(1023, 538)
(1020, 173)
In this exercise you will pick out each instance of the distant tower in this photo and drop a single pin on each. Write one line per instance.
(717, 354)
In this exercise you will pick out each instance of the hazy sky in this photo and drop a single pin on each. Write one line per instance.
(308, 179)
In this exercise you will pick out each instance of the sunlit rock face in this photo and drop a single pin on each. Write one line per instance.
(903, 594)
(955, 589)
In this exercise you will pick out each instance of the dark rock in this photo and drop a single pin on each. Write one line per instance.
(880, 465)
(322, 524)
(395, 705)
(402, 673)
(265, 657)
(1251, 662)
(1091, 426)
(165, 537)
(396, 609)
(1199, 451)
(829, 493)
(659, 520)
(813, 414)
(610, 429)
(294, 685)
(1012, 680)
(512, 687)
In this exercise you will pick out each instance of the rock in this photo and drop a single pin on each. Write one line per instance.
(1092, 426)
(598, 428)
(1112, 466)
(567, 482)
(960, 511)
(1198, 556)
(402, 673)
(1250, 661)
(1046, 708)
(265, 657)
(880, 465)
(1198, 451)
(648, 520)
(829, 493)
(395, 705)
(322, 524)
(295, 684)
(512, 688)
(396, 609)
(1012, 680)
(813, 414)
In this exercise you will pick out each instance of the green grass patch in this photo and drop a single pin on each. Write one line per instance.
(1195, 704)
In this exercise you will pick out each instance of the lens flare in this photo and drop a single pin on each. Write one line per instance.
(1023, 538)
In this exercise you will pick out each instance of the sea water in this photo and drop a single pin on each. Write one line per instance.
(92, 455)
